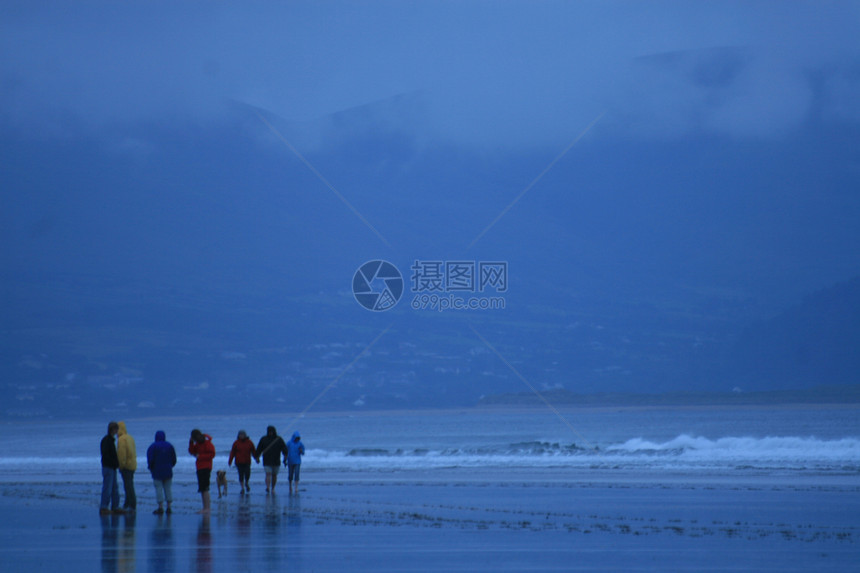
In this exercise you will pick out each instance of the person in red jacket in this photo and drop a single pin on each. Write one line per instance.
(200, 446)
(242, 451)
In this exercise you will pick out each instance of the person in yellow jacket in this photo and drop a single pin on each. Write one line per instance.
(127, 454)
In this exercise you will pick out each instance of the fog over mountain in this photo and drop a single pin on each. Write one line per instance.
(185, 204)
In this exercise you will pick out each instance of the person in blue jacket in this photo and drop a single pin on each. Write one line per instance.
(160, 459)
(295, 451)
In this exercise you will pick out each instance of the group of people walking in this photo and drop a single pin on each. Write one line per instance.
(119, 455)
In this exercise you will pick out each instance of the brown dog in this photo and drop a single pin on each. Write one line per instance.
(221, 481)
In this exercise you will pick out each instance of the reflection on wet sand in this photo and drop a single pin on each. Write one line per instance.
(271, 524)
(162, 550)
(294, 523)
(203, 555)
(248, 531)
(110, 542)
(118, 553)
(294, 512)
(244, 542)
(126, 560)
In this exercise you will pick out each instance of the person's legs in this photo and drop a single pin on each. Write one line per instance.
(107, 488)
(133, 503)
(203, 487)
(244, 475)
(168, 492)
(275, 476)
(291, 470)
(114, 492)
(294, 476)
(122, 474)
(128, 487)
(159, 494)
(268, 478)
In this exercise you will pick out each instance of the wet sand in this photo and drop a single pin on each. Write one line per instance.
(449, 520)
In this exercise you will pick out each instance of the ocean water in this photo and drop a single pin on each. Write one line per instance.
(695, 442)
(673, 489)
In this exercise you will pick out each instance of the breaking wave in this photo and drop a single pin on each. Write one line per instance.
(746, 448)
(682, 453)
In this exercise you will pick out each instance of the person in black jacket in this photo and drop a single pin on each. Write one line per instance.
(110, 465)
(271, 447)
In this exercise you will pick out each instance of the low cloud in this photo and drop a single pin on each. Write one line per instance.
(514, 74)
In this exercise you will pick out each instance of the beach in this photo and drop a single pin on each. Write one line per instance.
(451, 520)
(740, 489)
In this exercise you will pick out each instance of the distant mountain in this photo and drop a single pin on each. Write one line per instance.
(209, 270)
(814, 342)
(136, 348)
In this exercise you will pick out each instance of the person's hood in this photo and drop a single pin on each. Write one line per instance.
(122, 431)
(296, 435)
(160, 436)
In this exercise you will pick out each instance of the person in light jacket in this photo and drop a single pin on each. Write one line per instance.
(127, 454)
(295, 451)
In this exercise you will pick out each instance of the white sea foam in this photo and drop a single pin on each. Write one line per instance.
(683, 452)
(821, 440)
(743, 448)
